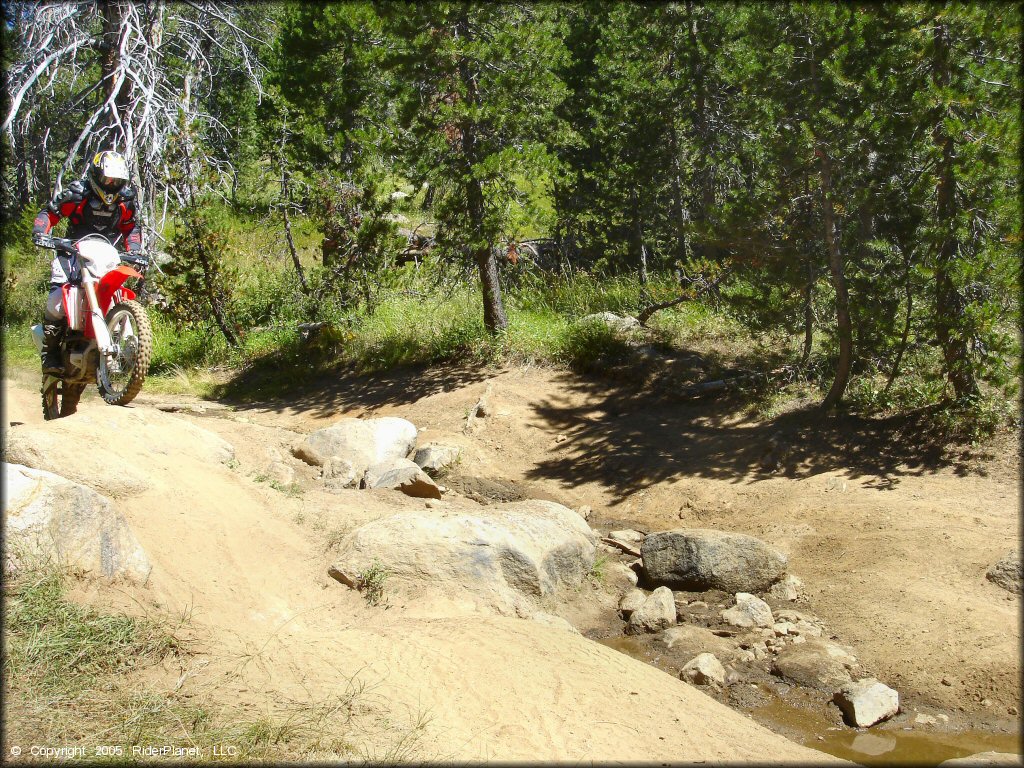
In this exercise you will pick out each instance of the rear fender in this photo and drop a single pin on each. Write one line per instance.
(111, 286)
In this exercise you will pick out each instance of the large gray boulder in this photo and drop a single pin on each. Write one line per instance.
(698, 559)
(501, 556)
(120, 442)
(49, 519)
(1008, 573)
(364, 442)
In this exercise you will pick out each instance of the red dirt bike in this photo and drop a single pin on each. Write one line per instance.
(108, 335)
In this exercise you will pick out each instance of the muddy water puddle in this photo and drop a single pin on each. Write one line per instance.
(801, 719)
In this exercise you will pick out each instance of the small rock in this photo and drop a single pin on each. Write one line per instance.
(560, 438)
(946, 681)
(404, 475)
(618, 572)
(867, 702)
(749, 611)
(746, 656)
(338, 473)
(584, 511)
(657, 613)
(759, 653)
(809, 664)
(798, 639)
(615, 323)
(627, 536)
(787, 589)
(788, 614)
(923, 719)
(783, 627)
(806, 628)
(698, 605)
(630, 602)
(279, 472)
(308, 454)
(433, 458)
(704, 669)
(1008, 573)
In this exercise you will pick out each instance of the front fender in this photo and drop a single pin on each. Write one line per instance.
(113, 283)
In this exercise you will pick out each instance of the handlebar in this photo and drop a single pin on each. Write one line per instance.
(56, 243)
(69, 246)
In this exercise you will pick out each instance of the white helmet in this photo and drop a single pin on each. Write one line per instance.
(108, 173)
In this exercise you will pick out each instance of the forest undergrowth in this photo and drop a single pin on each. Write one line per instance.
(426, 313)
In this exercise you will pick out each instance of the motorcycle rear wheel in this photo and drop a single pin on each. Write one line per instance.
(59, 398)
(121, 380)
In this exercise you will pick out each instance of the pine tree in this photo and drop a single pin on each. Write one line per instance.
(477, 93)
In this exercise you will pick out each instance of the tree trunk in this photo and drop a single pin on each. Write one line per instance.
(808, 314)
(495, 319)
(676, 204)
(906, 325)
(21, 168)
(950, 307)
(705, 197)
(639, 248)
(844, 328)
(110, 64)
(286, 199)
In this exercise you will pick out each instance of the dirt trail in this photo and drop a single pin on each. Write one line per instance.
(892, 548)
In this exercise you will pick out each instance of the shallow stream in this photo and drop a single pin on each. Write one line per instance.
(887, 744)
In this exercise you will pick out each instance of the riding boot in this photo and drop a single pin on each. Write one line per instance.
(53, 335)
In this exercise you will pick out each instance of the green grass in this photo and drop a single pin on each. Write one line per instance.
(432, 315)
(599, 570)
(72, 676)
(372, 581)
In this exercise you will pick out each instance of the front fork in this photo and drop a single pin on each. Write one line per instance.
(99, 322)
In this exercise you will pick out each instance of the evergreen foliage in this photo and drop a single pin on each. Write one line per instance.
(843, 176)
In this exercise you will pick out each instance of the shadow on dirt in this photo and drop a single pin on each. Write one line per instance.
(331, 394)
(628, 429)
(636, 441)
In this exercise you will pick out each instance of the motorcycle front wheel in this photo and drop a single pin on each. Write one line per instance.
(59, 398)
(120, 378)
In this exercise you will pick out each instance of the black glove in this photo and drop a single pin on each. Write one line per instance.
(42, 239)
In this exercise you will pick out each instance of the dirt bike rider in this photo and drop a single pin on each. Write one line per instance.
(103, 204)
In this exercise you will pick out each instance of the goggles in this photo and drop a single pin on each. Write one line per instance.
(110, 184)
